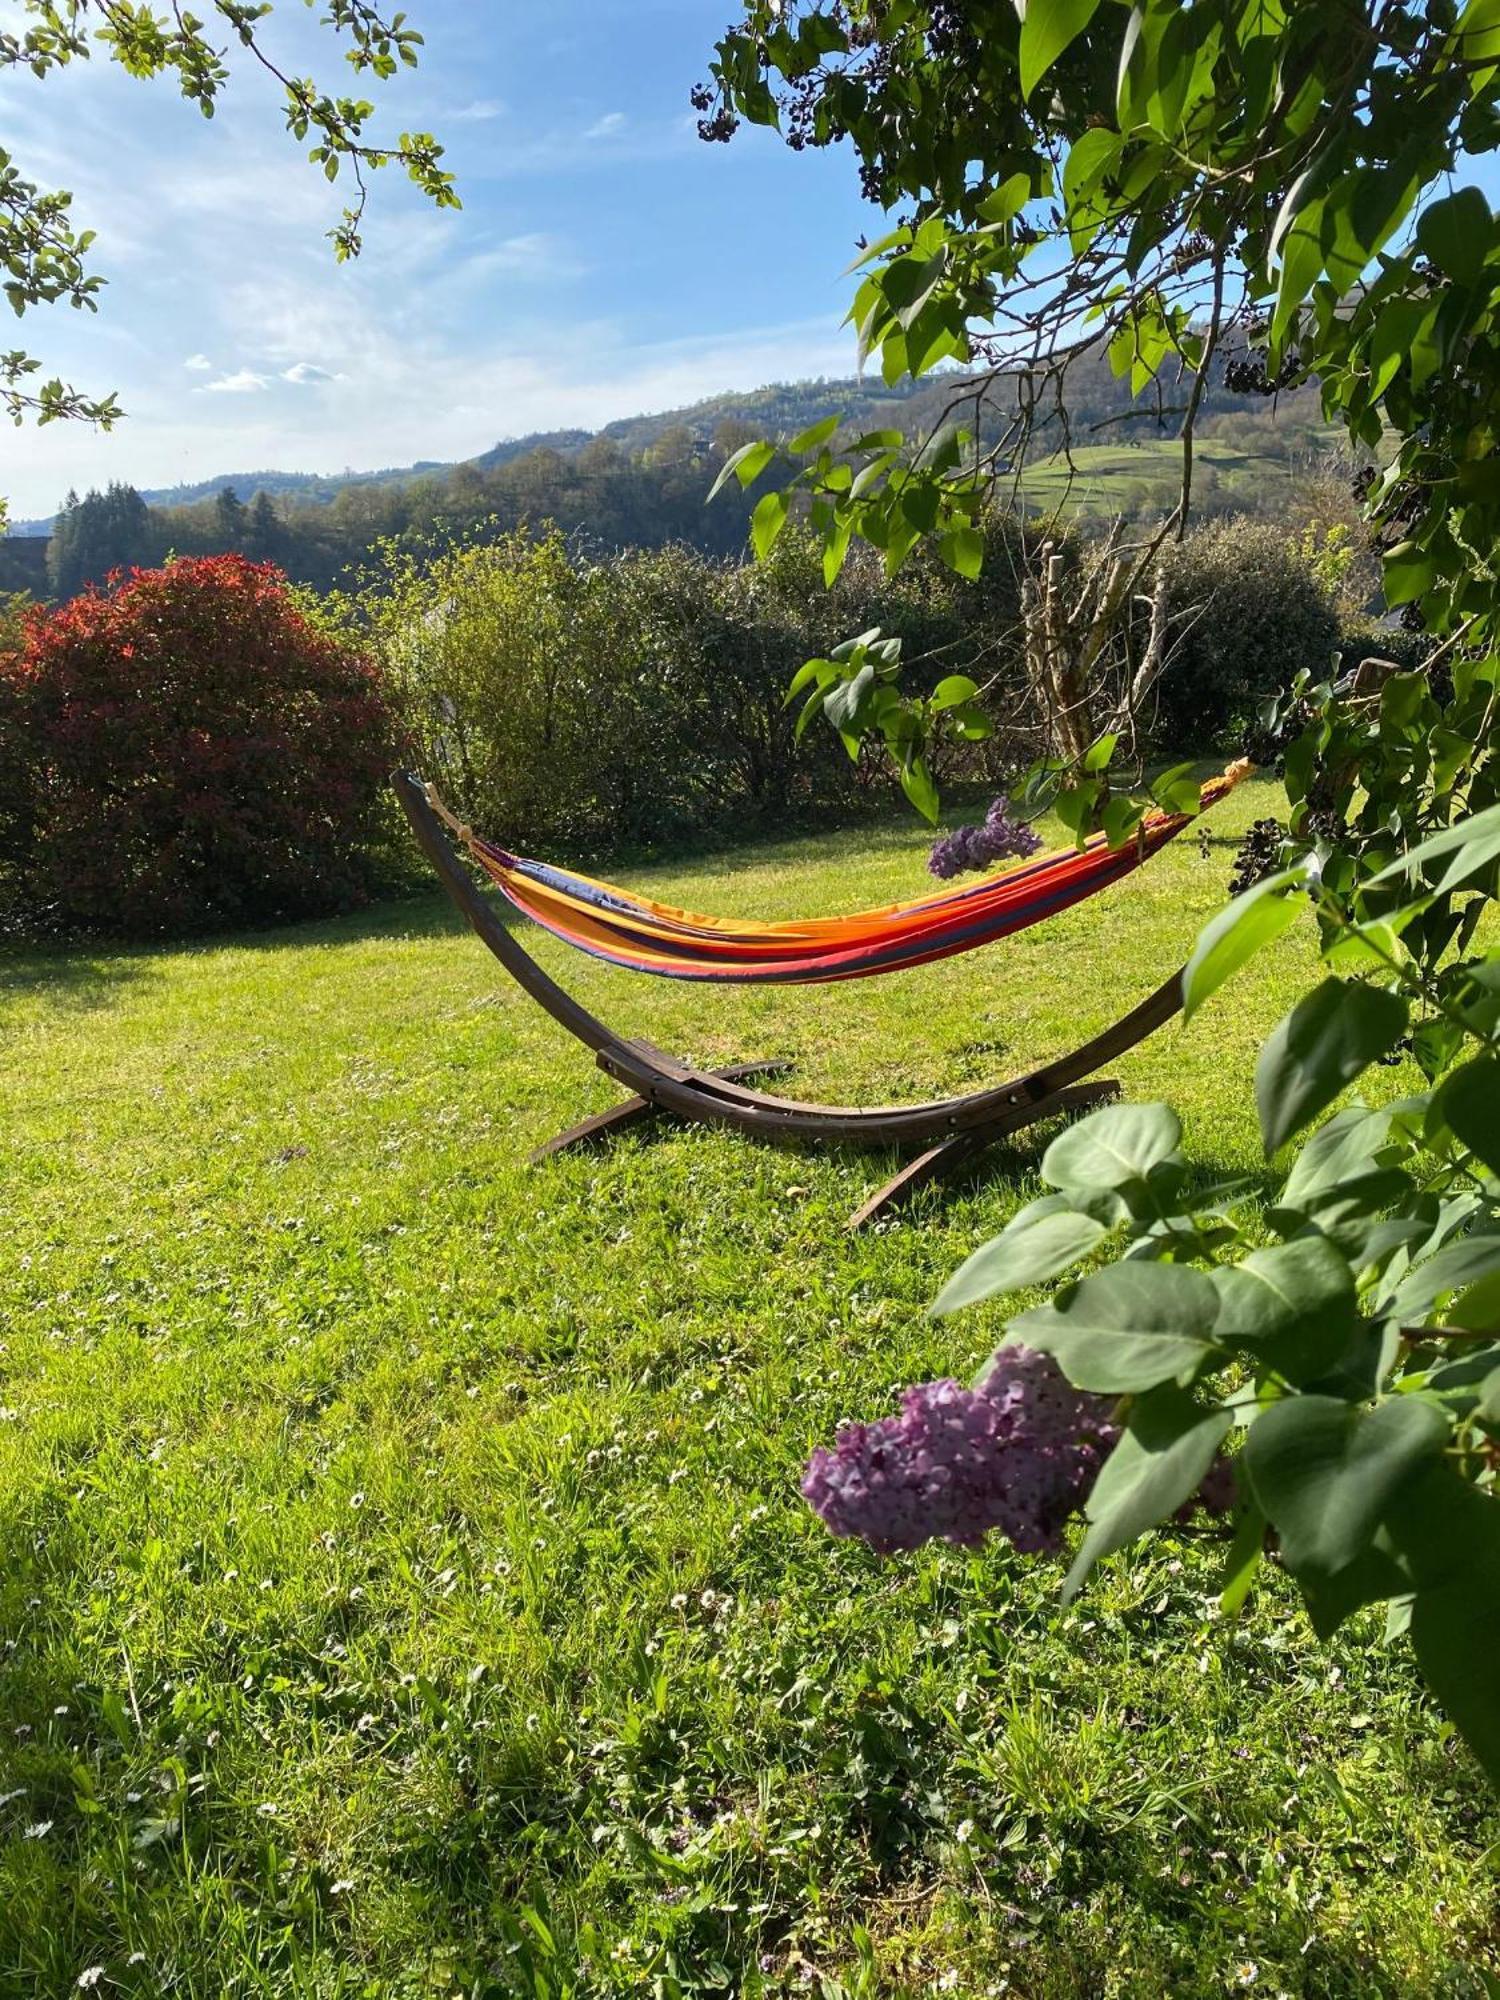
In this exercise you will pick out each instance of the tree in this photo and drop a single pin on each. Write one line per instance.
(229, 520)
(43, 258)
(1282, 190)
(100, 533)
(263, 530)
(1227, 185)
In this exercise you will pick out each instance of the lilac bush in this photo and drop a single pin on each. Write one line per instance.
(1000, 838)
(1019, 1454)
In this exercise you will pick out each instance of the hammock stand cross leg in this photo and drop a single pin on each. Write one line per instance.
(946, 1133)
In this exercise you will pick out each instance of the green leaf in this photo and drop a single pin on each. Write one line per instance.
(1342, 1150)
(1109, 1148)
(1121, 820)
(747, 464)
(1043, 1240)
(917, 783)
(1409, 572)
(1477, 1309)
(1331, 1036)
(1167, 1446)
(1449, 1535)
(1049, 27)
(1007, 200)
(1454, 1268)
(1291, 1306)
(1374, 1577)
(1470, 1102)
(962, 549)
(1242, 927)
(1301, 249)
(1474, 843)
(1099, 752)
(1325, 1472)
(1455, 1634)
(814, 435)
(1456, 234)
(767, 522)
(1128, 1328)
(846, 703)
(1391, 340)
(1242, 1563)
(952, 691)
(1177, 790)
(1090, 158)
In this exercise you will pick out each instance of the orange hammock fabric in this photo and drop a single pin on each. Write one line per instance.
(643, 936)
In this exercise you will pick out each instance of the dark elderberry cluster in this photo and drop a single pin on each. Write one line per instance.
(1247, 374)
(1322, 825)
(1265, 746)
(1193, 248)
(952, 36)
(717, 123)
(1259, 855)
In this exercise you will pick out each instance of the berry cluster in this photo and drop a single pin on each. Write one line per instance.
(1000, 838)
(1259, 855)
(1247, 375)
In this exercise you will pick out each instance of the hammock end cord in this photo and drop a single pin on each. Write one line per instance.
(477, 849)
(1209, 794)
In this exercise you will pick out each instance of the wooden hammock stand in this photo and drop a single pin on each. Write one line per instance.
(947, 1133)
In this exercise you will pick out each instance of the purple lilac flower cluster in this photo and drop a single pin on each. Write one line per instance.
(1018, 1454)
(1001, 838)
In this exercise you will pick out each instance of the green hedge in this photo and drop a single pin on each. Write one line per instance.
(640, 697)
(1247, 613)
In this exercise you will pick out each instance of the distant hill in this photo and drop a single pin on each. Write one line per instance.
(782, 408)
(644, 481)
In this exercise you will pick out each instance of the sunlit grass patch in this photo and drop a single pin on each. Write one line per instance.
(405, 1588)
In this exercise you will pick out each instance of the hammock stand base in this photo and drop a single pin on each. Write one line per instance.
(946, 1134)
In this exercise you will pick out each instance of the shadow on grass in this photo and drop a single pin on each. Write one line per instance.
(77, 979)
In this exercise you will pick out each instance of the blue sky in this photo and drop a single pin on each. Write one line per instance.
(605, 261)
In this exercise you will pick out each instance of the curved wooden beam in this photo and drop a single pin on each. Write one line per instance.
(518, 962)
(712, 1097)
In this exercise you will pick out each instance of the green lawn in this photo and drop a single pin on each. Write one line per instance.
(404, 1587)
(1147, 472)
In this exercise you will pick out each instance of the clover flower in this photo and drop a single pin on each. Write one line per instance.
(1000, 838)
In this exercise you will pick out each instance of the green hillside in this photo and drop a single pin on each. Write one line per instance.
(1131, 478)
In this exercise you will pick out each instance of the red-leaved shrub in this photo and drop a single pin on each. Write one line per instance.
(185, 751)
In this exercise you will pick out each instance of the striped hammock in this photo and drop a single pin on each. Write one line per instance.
(642, 936)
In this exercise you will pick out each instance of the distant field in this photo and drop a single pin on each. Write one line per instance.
(404, 1588)
(1116, 478)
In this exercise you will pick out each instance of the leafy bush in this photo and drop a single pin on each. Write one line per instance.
(642, 696)
(187, 750)
(1409, 650)
(1248, 614)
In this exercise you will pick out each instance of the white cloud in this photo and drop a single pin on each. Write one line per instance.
(535, 255)
(244, 382)
(481, 109)
(199, 363)
(303, 372)
(403, 392)
(607, 126)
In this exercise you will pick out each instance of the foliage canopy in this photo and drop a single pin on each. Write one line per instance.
(44, 258)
